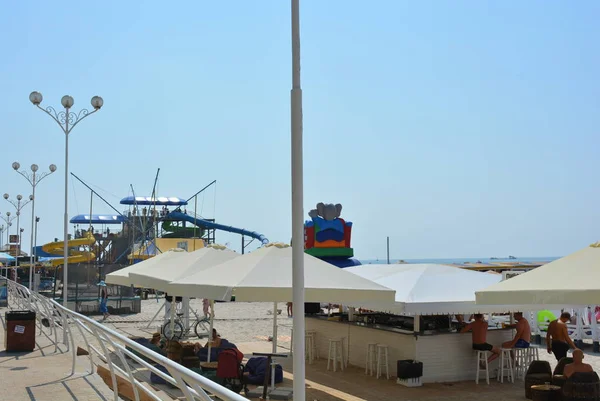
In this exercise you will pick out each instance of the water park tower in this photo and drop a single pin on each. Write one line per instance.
(163, 223)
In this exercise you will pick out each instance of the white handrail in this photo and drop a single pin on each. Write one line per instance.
(50, 315)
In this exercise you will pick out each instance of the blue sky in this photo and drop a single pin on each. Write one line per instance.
(459, 129)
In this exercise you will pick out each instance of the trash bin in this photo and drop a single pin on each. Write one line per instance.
(144, 294)
(20, 331)
(409, 373)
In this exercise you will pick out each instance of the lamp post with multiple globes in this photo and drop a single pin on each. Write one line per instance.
(33, 178)
(18, 205)
(67, 120)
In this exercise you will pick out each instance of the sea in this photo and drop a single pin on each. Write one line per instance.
(462, 260)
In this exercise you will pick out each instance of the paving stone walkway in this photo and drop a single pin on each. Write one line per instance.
(45, 374)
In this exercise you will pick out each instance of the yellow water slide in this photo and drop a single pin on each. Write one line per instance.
(76, 255)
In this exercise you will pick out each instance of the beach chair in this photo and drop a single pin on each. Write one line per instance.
(230, 371)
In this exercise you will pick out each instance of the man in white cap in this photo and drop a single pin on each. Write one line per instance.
(103, 299)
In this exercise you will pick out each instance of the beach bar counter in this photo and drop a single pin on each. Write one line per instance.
(435, 341)
(421, 324)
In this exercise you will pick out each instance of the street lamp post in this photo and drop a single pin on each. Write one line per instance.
(18, 205)
(67, 120)
(8, 220)
(37, 220)
(297, 210)
(33, 178)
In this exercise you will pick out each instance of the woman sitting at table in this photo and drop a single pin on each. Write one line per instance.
(215, 342)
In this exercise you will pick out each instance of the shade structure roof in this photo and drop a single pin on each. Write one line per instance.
(429, 288)
(5, 257)
(97, 219)
(571, 280)
(265, 275)
(159, 276)
(149, 200)
(122, 277)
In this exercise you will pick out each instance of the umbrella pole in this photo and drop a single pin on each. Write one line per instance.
(172, 320)
(155, 315)
(274, 343)
(210, 330)
(186, 309)
(594, 326)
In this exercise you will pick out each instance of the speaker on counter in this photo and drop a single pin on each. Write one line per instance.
(312, 308)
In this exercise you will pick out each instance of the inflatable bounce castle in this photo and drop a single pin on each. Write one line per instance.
(327, 236)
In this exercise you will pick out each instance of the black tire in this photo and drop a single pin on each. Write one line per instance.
(178, 331)
(202, 333)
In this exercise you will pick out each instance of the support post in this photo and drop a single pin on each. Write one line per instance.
(299, 363)
(594, 326)
(388, 250)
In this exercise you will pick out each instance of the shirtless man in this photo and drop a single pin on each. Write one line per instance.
(479, 329)
(577, 365)
(523, 335)
(557, 338)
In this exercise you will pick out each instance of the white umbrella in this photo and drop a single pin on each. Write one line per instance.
(572, 280)
(159, 276)
(265, 275)
(121, 277)
(427, 288)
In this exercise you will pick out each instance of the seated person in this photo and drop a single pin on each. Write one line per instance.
(479, 329)
(214, 343)
(523, 336)
(577, 365)
(155, 339)
(217, 344)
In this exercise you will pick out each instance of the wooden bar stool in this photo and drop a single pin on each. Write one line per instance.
(382, 360)
(482, 359)
(371, 359)
(314, 348)
(309, 347)
(506, 366)
(521, 362)
(336, 353)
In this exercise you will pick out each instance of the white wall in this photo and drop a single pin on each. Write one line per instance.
(445, 357)
(400, 346)
(450, 357)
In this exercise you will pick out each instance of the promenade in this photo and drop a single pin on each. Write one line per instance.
(45, 374)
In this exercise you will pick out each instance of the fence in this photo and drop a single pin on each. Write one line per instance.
(101, 342)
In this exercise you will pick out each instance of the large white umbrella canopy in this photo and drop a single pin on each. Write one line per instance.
(159, 276)
(121, 277)
(571, 280)
(265, 275)
(427, 288)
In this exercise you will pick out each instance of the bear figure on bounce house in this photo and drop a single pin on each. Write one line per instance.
(327, 236)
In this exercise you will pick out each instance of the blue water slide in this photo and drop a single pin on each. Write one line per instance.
(211, 225)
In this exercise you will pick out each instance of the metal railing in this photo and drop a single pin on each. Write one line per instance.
(104, 343)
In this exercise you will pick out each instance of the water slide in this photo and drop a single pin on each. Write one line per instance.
(77, 256)
(174, 229)
(211, 225)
